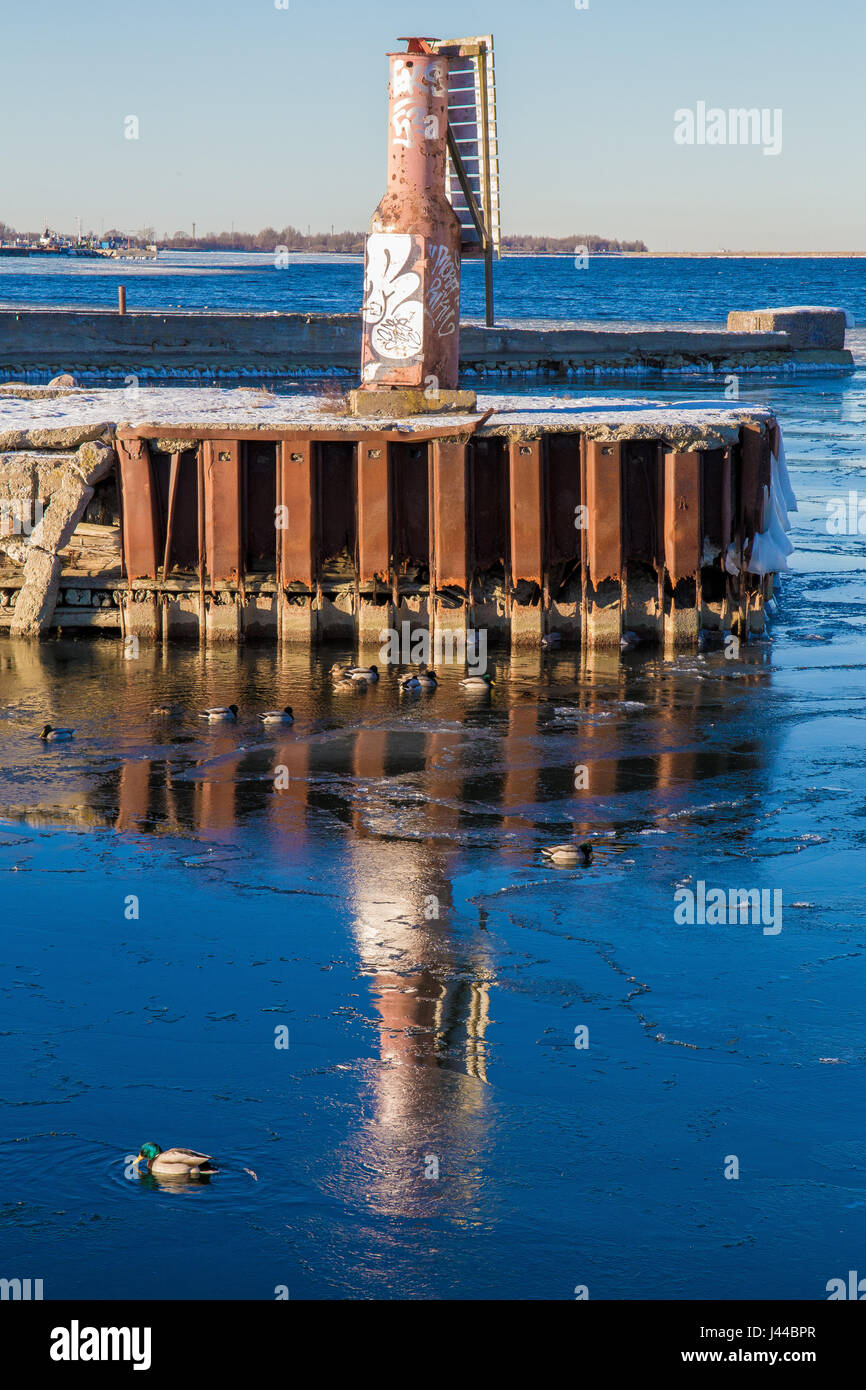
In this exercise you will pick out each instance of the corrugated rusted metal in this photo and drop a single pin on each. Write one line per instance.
(604, 503)
(374, 510)
(171, 506)
(142, 552)
(223, 530)
(642, 503)
(488, 515)
(337, 513)
(562, 496)
(260, 461)
(715, 493)
(526, 511)
(449, 501)
(411, 516)
(682, 515)
(489, 487)
(754, 477)
(297, 501)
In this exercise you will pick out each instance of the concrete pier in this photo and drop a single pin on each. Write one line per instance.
(219, 516)
(154, 346)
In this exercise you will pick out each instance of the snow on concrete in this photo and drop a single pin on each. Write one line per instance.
(687, 423)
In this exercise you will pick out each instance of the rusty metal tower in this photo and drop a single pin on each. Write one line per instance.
(410, 355)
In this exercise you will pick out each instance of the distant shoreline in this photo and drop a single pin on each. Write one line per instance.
(564, 255)
(740, 255)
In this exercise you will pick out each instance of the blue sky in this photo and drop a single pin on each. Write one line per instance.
(256, 115)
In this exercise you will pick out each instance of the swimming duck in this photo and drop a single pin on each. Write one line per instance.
(278, 716)
(629, 641)
(552, 639)
(370, 674)
(427, 679)
(220, 713)
(167, 711)
(477, 682)
(339, 669)
(568, 856)
(410, 684)
(50, 735)
(175, 1163)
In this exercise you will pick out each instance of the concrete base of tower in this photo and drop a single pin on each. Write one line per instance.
(396, 402)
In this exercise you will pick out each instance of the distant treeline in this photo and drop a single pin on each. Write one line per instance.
(567, 245)
(267, 240)
(353, 242)
(347, 243)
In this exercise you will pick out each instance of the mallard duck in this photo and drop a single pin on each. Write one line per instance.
(427, 679)
(345, 686)
(339, 669)
(278, 716)
(175, 1163)
(370, 674)
(220, 713)
(629, 641)
(568, 856)
(552, 639)
(477, 682)
(167, 711)
(50, 735)
(410, 685)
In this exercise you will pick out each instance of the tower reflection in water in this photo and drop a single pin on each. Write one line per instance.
(417, 807)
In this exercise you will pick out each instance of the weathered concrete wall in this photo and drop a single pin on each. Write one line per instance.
(151, 344)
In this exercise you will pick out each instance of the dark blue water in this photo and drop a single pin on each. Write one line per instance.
(431, 1131)
(612, 289)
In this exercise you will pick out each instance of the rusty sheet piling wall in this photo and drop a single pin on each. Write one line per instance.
(294, 525)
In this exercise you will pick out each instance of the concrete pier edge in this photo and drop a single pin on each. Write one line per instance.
(204, 345)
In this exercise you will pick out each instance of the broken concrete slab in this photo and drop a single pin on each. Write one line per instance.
(34, 607)
(43, 531)
(806, 326)
(65, 437)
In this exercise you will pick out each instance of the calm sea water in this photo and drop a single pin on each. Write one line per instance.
(611, 289)
(432, 1131)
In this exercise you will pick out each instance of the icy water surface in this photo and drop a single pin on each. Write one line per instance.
(423, 1044)
(417, 1041)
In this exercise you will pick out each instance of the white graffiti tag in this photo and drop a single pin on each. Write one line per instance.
(392, 308)
(443, 293)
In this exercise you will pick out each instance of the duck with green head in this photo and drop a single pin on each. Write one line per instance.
(175, 1163)
(52, 735)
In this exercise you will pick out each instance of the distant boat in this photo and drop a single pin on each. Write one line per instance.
(35, 250)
